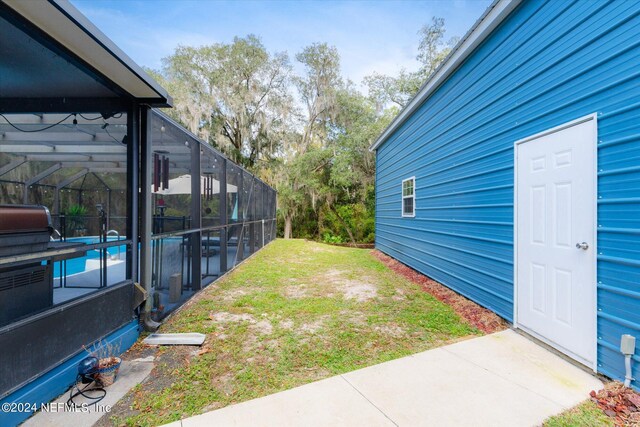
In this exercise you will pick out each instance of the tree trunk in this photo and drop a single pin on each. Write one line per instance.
(344, 224)
(287, 227)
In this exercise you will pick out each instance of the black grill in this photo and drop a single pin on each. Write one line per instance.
(24, 229)
(24, 290)
(27, 288)
(18, 279)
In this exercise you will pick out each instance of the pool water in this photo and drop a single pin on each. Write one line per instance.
(79, 265)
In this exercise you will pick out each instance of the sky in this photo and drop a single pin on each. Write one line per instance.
(370, 36)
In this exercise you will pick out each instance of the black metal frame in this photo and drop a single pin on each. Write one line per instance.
(194, 232)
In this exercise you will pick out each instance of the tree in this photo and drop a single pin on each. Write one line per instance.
(358, 125)
(350, 194)
(307, 135)
(432, 50)
(317, 90)
(233, 95)
(305, 158)
(302, 185)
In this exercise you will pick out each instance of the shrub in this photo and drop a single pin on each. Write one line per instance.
(330, 238)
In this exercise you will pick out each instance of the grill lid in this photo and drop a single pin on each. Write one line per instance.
(15, 219)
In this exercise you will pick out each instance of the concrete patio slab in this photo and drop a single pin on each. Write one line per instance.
(440, 389)
(527, 364)
(503, 379)
(130, 374)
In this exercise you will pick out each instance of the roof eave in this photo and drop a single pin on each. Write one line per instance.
(490, 19)
(61, 21)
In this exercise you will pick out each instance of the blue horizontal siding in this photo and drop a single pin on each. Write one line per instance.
(548, 63)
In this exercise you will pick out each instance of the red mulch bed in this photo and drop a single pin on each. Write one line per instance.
(483, 319)
(620, 403)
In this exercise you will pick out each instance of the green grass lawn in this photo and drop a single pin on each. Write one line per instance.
(296, 312)
(586, 414)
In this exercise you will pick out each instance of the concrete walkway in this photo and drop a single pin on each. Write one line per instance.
(502, 379)
(131, 373)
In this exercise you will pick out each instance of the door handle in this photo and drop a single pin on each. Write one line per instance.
(584, 246)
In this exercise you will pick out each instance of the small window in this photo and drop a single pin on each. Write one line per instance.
(409, 197)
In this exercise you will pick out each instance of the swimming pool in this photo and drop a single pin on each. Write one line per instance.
(79, 264)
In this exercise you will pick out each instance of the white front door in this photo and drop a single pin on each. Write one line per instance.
(555, 237)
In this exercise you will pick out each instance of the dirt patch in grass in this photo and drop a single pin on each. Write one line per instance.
(296, 291)
(234, 294)
(359, 291)
(224, 317)
(286, 324)
(391, 330)
(480, 317)
(356, 318)
(312, 327)
(168, 361)
(263, 327)
(224, 383)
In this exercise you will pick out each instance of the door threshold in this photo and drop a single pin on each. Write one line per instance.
(544, 344)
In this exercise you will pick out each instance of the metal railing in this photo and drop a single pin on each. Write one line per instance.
(114, 233)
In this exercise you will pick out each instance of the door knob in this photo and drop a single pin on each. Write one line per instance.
(584, 246)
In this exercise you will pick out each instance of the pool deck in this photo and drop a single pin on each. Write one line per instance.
(83, 283)
(79, 284)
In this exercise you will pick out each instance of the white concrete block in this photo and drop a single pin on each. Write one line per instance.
(189, 338)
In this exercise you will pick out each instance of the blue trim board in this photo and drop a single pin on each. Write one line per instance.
(55, 382)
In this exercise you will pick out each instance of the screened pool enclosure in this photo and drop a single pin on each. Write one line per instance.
(76, 166)
(111, 214)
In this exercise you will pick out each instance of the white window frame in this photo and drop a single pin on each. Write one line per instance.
(412, 196)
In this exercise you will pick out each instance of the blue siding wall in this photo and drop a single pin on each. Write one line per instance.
(545, 65)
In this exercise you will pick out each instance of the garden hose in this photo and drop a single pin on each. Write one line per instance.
(81, 392)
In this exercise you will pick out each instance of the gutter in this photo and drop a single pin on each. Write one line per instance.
(490, 19)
